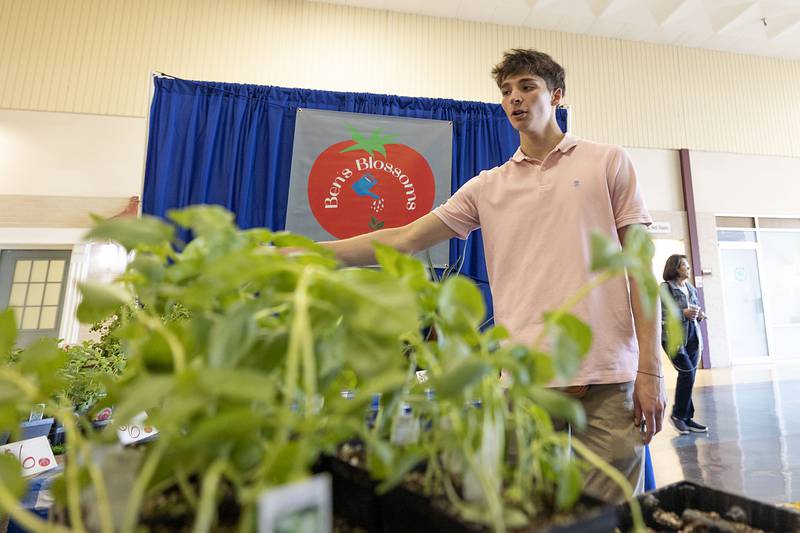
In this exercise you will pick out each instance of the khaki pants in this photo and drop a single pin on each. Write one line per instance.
(611, 434)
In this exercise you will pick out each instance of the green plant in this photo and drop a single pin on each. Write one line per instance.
(507, 450)
(243, 381)
(85, 374)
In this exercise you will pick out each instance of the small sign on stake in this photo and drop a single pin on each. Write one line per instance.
(302, 507)
(137, 431)
(35, 455)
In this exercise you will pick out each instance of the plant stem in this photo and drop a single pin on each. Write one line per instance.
(301, 350)
(175, 346)
(490, 492)
(25, 518)
(573, 300)
(185, 487)
(140, 485)
(76, 440)
(17, 379)
(207, 509)
(616, 477)
(72, 476)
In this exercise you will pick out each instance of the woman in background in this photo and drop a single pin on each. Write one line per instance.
(676, 279)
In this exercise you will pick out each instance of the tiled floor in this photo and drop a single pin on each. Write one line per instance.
(753, 444)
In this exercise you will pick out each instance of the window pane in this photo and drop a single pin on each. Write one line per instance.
(18, 315)
(56, 271)
(17, 296)
(736, 222)
(736, 236)
(51, 294)
(48, 318)
(21, 271)
(35, 292)
(781, 282)
(30, 320)
(39, 271)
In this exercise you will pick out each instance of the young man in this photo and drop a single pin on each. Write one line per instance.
(537, 212)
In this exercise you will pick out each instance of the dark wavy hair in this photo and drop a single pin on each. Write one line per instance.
(525, 61)
(671, 267)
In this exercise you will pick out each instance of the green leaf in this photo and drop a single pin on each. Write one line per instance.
(405, 463)
(559, 405)
(672, 322)
(397, 264)
(8, 333)
(284, 239)
(231, 338)
(100, 300)
(541, 367)
(208, 221)
(133, 232)
(150, 266)
(570, 484)
(639, 247)
(242, 384)
(212, 434)
(143, 394)
(460, 303)
(465, 374)
(606, 254)
(570, 340)
(11, 476)
(371, 302)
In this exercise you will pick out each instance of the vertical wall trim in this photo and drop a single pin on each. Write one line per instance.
(694, 244)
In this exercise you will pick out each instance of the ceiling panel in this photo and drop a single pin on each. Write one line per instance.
(760, 27)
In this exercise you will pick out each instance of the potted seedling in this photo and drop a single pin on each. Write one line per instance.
(244, 390)
(245, 386)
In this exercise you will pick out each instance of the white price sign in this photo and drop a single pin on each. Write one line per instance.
(137, 431)
(35, 455)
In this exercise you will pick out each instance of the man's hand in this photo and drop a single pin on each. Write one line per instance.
(649, 404)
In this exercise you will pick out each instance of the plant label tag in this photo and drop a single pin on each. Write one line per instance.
(302, 507)
(35, 455)
(137, 431)
(422, 376)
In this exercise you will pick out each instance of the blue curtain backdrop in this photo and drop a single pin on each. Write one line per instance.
(231, 144)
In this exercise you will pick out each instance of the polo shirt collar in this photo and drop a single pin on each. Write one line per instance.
(566, 144)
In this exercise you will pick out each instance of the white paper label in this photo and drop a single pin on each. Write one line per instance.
(422, 376)
(35, 455)
(137, 431)
(660, 228)
(300, 507)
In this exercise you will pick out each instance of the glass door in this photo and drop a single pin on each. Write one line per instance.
(32, 284)
(744, 307)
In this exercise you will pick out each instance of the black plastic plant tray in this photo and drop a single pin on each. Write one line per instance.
(687, 495)
(404, 511)
(354, 496)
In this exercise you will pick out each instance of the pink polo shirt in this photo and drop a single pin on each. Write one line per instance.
(537, 218)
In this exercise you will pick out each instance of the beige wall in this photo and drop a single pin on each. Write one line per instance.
(66, 154)
(90, 56)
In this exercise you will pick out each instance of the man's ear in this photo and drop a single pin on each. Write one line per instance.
(558, 94)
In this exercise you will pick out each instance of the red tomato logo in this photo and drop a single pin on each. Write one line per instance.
(44, 461)
(365, 184)
(148, 429)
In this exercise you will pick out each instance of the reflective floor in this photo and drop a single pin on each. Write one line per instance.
(753, 444)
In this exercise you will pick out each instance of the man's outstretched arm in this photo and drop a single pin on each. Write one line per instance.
(411, 238)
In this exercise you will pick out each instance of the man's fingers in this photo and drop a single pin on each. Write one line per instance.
(637, 413)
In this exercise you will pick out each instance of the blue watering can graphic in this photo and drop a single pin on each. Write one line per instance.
(364, 184)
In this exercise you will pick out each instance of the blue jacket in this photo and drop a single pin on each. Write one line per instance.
(683, 303)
